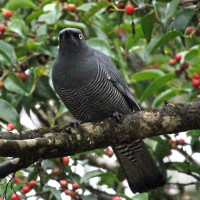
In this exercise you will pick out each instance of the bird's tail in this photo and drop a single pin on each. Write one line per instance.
(139, 167)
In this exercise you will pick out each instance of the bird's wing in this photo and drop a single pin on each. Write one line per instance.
(116, 78)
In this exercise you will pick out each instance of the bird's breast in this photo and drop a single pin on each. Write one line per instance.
(95, 100)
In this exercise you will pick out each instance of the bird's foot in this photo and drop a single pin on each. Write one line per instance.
(117, 116)
(76, 124)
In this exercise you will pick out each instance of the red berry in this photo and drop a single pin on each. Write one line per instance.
(178, 57)
(172, 142)
(63, 183)
(26, 189)
(15, 197)
(195, 76)
(109, 0)
(62, 1)
(185, 65)
(155, 16)
(32, 183)
(10, 127)
(2, 28)
(35, 38)
(4, 23)
(121, 31)
(172, 62)
(1, 198)
(70, 193)
(120, 5)
(1, 84)
(195, 83)
(154, 66)
(67, 192)
(129, 9)
(65, 160)
(117, 198)
(109, 152)
(55, 171)
(17, 179)
(72, 7)
(181, 142)
(8, 13)
(190, 31)
(65, 8)
(22, 76)
(75, 186)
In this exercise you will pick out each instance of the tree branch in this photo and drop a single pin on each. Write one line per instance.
(56, 142)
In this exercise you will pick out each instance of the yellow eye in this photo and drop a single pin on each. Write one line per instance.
(80, 36)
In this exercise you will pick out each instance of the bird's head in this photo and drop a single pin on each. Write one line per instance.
(71, 37)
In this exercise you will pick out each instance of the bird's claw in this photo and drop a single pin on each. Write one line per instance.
(75, 124)
(118, 116)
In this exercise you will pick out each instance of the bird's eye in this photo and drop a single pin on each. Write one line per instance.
(80, 36)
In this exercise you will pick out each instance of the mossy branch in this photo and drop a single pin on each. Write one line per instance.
(54, 142)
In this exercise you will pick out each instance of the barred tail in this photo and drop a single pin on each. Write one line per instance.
(139, 167)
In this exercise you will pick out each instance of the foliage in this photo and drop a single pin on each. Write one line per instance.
(141, 49)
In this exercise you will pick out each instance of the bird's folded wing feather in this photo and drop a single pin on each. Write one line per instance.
(116, 78)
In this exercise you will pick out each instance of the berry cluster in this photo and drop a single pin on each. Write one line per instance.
(195, 80)
(175, 60)
(23, 76)
(6, 15)
(174, 143)
(69, 7)
(64, 186)
(24, 190)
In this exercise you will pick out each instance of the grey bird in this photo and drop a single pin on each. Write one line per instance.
(91, 87)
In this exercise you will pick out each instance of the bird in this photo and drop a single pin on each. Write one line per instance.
(92, 88)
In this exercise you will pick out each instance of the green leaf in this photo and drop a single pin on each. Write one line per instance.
(147, 74)
(75, 177)
(86, 6)
(18, 26)
(72, 24)
(162, 149)
(34, 15)
(16, 4)
(168, 94)
(9, 114)
(32, 175)
(54, 192)
(165, 10)
(192, 53)
(8, 52)
(109, 179)
(160, 41)
(52, 13)
(91, 174)
(43, 89)
(147, 25)
(100, 45)
(95, 8)
(183, 18)
(62, 110)
(156, 84)
(131, 41)
(143, 196)
(89, 197)
(185, 167)
(14, 84)
(194, 133)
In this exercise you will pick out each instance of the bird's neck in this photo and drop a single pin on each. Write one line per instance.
(73, 51)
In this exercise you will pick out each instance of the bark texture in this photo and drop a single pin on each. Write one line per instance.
(54, 142)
